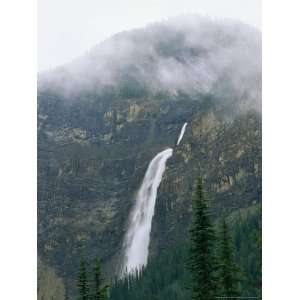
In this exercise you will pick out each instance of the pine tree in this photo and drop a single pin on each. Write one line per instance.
(258, 245)
(227, 268)
(100, 290)
(202, 250)
(82, 281)
(66, 294)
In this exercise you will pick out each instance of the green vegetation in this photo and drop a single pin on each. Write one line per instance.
(202, 263)
(100, 288)
(101, 121)
(178, 272)
(82, 281)
(89, 288)
(228, 271)
(246, 227)
(66, 295)
(91, 159)
(164, 278)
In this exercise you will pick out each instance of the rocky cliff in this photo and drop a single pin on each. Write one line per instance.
(101, 120)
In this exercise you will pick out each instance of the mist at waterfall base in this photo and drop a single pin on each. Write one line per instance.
(137, 238)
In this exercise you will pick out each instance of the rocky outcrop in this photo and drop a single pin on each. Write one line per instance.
(87, 181)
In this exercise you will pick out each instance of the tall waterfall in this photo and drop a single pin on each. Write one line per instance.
(181, 134)
(137, 238)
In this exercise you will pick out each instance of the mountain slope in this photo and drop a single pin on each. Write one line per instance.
(103, 117)
(167, 277)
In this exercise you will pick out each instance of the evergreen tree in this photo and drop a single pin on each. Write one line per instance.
(228, 270)
(166, 277)
(258, 245)
(82, 281)
(100, 290)
(66, 294)
(202, 250)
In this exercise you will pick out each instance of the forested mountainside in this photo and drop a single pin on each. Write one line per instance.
(103, 117)
(167, 274)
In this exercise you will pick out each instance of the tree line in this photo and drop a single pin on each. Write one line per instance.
(204, 270)
(214, 273)
(90, 285)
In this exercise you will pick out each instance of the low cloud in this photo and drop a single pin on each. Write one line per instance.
(189, 54)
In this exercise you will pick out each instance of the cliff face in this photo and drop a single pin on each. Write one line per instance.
(88, 177)
(94, 147)
(228, 157)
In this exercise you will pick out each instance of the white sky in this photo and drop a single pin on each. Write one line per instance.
(67, 28)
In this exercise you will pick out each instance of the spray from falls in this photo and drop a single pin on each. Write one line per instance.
(181, 134)
(137, 238)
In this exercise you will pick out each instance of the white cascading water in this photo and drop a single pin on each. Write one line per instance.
(181, 134)
(137, 238)
(138, 235)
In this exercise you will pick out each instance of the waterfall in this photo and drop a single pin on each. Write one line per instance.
(181, 134)
(137, 238)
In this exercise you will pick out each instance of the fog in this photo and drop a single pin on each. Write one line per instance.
(67, 28)
(189, 54)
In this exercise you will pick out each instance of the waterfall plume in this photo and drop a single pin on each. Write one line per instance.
(137, 238)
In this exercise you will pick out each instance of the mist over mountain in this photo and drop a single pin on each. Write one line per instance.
(104, 116)
(188, 54)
